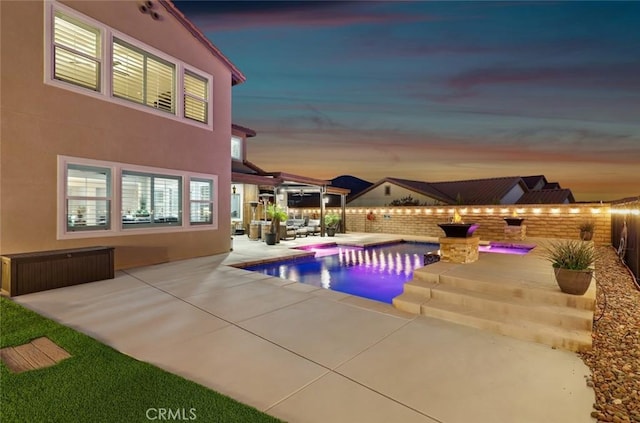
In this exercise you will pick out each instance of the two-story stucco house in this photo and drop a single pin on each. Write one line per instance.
(116, 121)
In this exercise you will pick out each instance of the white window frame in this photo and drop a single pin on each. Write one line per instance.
(108, 198)
(238, 141)
(116, 227)
(194, 201)
(105, 92)
(184, 94)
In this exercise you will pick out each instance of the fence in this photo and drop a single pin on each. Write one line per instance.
(625, 232)
(541, 220)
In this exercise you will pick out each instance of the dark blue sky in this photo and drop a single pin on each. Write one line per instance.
(438, 90)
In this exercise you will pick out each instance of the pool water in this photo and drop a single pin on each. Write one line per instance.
(377, 273)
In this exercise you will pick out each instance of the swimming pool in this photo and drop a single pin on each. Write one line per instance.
(377, 273)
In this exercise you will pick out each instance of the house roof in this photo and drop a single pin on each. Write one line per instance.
(237, 77)
(472, 191)
(424, 188)
(249, 133)
(547, 196)
(480, 191)
(532, 181)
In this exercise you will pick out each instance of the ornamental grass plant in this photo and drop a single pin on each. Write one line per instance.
(571, 254)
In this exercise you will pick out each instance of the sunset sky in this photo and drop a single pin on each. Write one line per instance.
(437, 91)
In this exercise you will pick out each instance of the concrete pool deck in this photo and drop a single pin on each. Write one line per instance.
(306, 354)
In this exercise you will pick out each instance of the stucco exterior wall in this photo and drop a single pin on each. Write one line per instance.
(545, 221)
(40, 122)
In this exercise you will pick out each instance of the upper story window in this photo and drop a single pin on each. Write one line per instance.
(141, 77)
(236, 148)
(76, 52)
(196, 103)
(88, 57)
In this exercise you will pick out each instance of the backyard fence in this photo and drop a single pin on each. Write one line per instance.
(625, 232)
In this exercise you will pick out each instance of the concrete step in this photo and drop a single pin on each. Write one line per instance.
(419, 287)
(569, 339)
(507, 307)
(409, 302)
(521, 289)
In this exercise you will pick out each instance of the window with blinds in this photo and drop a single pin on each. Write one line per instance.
(151, 200)
(88, 198)
(196, 104)
(201, 201)
(143, 78)
(76, 51)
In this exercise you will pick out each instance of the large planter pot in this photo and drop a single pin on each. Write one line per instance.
(458, 230)
(331, 231)
(575, 282)
(586, 235)
(514, 221)
(270, 238)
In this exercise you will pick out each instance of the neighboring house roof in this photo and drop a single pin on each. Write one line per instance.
(551, 185)
(480, 191)
(533, 181)
(237, 76)
(425, 188)
(473, 191)
(547, 196)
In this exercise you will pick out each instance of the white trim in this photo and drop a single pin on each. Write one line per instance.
(116, 200)
(105, 93)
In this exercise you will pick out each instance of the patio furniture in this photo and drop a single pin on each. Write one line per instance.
(313, 227)
(287, 232)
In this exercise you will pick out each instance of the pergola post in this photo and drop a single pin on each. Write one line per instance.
(322, 211)
(343, 214)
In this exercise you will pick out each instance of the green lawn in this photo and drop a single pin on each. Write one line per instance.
(99, 384)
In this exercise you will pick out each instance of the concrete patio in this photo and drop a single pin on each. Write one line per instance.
(306, 354)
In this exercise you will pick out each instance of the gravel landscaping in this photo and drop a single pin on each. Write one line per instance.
(615, 358)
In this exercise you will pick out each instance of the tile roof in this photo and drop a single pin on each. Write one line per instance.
(547, 196)
(473, 191)
(479, 191)
(425, 188)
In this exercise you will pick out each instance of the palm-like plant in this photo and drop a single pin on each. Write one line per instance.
(277, 215)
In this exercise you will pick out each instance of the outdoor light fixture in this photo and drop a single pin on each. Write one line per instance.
(147, 7)
(233, 189)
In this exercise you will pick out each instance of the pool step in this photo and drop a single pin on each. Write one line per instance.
(508, 306)
(568, 339)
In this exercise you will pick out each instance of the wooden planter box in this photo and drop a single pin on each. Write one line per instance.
(33, 272)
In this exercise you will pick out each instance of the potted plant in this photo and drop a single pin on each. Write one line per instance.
(331, 222)
(572, 263)
(277, 215)
(586, 230)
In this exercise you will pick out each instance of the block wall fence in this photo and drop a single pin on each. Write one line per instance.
(541, 220)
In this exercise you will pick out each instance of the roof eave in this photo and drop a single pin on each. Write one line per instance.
(237, 77)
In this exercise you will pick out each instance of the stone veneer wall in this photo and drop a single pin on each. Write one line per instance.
(541, 220)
